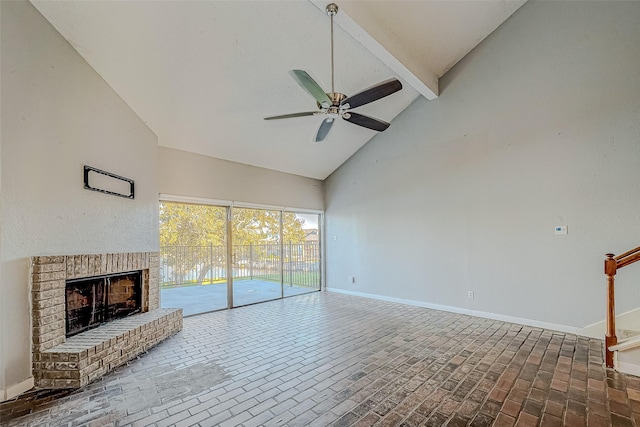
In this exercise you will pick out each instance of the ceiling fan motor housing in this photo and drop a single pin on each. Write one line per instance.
(335, 110)
(336, 98)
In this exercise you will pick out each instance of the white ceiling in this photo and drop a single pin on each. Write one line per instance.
(202, 74)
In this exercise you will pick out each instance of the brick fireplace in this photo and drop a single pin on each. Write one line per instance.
(69, 362)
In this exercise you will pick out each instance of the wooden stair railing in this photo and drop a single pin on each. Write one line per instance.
(611, 265)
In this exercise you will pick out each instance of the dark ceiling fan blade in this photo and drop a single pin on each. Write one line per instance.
(311, 86)
(289, 116)
(373, 93)
(365, 121)
(324, 129)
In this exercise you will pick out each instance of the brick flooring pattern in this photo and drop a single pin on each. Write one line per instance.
(330, 359)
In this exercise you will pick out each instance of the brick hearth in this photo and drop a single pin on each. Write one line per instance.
(60, 362)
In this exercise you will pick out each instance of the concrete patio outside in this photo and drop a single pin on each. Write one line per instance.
(197, 299)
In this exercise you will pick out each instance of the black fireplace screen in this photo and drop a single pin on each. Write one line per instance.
(93, 301)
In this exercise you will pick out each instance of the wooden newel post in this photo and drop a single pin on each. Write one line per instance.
(610, 267)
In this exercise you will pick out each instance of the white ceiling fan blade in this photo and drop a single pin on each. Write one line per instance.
(310, 85)
(289, 116)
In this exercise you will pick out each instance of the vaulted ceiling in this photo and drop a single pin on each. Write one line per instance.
(203, 74)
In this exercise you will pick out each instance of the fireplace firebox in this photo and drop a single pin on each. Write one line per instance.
(93, 301)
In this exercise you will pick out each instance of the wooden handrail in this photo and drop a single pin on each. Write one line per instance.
(611, 265)
(626, 254)
(628, 260)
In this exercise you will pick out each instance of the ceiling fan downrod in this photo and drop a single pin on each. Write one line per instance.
(332, 9)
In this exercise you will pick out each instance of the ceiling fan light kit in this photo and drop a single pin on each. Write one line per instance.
(335, 104)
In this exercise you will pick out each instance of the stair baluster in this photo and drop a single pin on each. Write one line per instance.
(610, 268)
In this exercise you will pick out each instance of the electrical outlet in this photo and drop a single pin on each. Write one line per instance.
(470, 294)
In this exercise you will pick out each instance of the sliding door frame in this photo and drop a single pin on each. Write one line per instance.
(229, 257)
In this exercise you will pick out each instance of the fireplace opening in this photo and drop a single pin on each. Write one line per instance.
(93, 301)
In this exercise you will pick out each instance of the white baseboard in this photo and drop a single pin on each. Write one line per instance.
(628, 368)
(16, 389)
(451, 309)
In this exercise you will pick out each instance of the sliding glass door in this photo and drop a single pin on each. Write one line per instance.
(193, 257)
(208, 262)
(301, 253)
(257, 264)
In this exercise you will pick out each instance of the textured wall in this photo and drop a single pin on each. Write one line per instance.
(57, 115)
(538, 126)
(188, 174)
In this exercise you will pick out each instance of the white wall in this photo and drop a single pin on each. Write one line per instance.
(538, 126)
(57, 115)
(194, 175)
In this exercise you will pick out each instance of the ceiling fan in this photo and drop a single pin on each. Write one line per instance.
(334, 104)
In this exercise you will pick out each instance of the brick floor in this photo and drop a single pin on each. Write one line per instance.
(330, 359)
